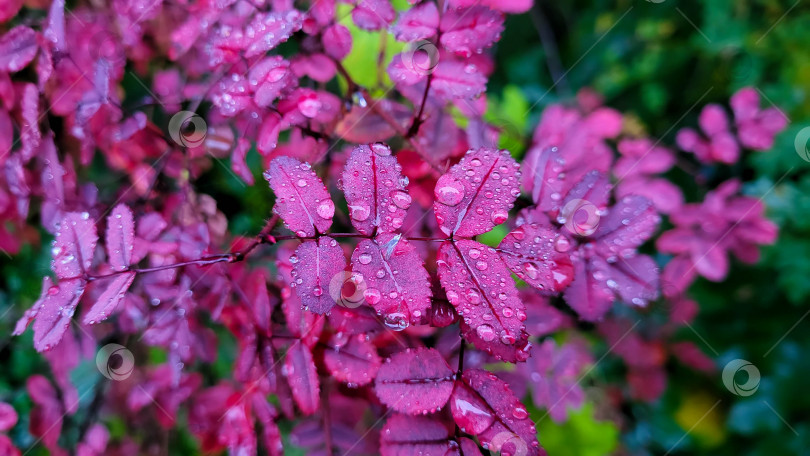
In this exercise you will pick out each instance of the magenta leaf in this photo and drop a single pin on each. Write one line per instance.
(397, 284)
(302, 377)
(355, 362)
(417, 23)
(538, 255)
(74, 245)
(109, 299)
(302, 200)
(315, 265)
(405, 435)
(485, 406)
(543, 174)
(468, 31)
(267, 31)
(364, 125)
(120, 237)
(375, 190)
(18, 47)
(476, 194)
(373, 14)
(481, 288)
(55, 313)
(415, 381)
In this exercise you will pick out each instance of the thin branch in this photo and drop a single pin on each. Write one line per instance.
(549, 42)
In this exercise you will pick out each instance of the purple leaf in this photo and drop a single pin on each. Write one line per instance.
(375, 190)
(405, 435)
(477, 193)
(589, 294)
(485, 406)
(315, 265)
(626, 226)
(18, 47)
(468, 31)
(301, 198)
(267, 31)
(543, 172)
(108, 300)
(355, 362)
(417, 23)
(302, 377)
(373, 14)
(397, 284)
(55, 31)
(481, 288)
(538, 255)
(74, 245)
(415, 381)
(635, 280)
(364, 125)
(120, 237)
(56, 312)
(31, 313)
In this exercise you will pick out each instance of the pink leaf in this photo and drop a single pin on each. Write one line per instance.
(417, 23)
(302, 377)
(316, 264)
(373, 14)
(481, 288)
(18, 47)
(74, 245)
(485, 406)
(238, 163)
(356, 362)
(56, 312)
(108, 300)
(468, 31)
(477, 193)
(543, 172)
(405, 435)
(30, 314)
(538, 256)
(363, 125)
(120, 237)
(397, 284)
(458, 79)
(337, 41)
(415, 381)
(8, 417)
(301, 198)
(375, 190)
(267, 31)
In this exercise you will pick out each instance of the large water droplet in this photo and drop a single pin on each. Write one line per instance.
(364, 258)
(449, 191)
(396, 321)
(486, 333)
(326, 209)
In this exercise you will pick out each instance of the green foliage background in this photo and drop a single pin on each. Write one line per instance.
(658, 61)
